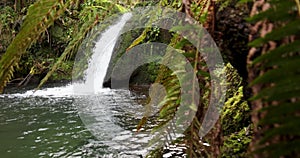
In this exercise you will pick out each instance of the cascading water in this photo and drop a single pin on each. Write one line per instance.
(55, 125)
(99, 62)
(110, 115)
(97, 66)
(46, 123)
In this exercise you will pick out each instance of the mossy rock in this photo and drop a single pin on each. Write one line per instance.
(236, 111)
(236, 144)
(235, 114)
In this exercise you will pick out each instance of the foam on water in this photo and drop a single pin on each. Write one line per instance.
(56, 92)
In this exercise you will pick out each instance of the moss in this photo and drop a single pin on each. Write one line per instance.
(236, 113)
(234, 81)
(235, 117)
(236, 144)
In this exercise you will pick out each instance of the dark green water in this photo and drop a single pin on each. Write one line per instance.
(35, 126)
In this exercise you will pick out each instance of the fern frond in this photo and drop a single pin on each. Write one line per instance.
(72, 46)
(92, 15)
(277, 53)
(277, 88)
(280, 148)
(142, 37)
(275, 111)
(289, 29)
(277, 7)
(170, 105)
(40, 16)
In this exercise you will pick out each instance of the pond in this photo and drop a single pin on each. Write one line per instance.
(51, 124)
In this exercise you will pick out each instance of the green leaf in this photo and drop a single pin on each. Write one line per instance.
(278, 12)
(121, 8)
(281, 109)
(279, 92)
(40, 16)
(139, 39)
(292, 127)
(181, 44)
(272, 76)
(292, 63)
(289, 29)
(72, 46)
(281, 148)
(278, 52)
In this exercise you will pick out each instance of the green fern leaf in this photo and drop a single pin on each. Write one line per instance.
(94, 15)
(278, 52)
(283, 8)
(292, 28)
(278, 84)
(282, 109)
(273, 75)
(282, 148)
(291, 127)
(287, 62)
(72, 46)
(40, 16)
(278, 93)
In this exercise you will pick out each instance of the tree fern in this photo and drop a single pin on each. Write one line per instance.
(274, 72)
(170, 104)
(40, 16)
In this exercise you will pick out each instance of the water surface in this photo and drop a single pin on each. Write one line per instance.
(51, 125)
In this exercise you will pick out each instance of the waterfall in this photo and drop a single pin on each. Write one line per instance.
(103, 50)
(97, 66)
(97, 112)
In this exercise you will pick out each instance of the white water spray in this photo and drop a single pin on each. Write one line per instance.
(97, 66)
(99, 62)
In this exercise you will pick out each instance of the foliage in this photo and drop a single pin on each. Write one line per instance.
(63, 72)
(274, 71)
(8, 26)
(91, 15)
(40, 16)
(43, 14)
(21, 4)
(170, 104)
(236, 144)
(235, 117)
(236, 111)
(273, 65)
